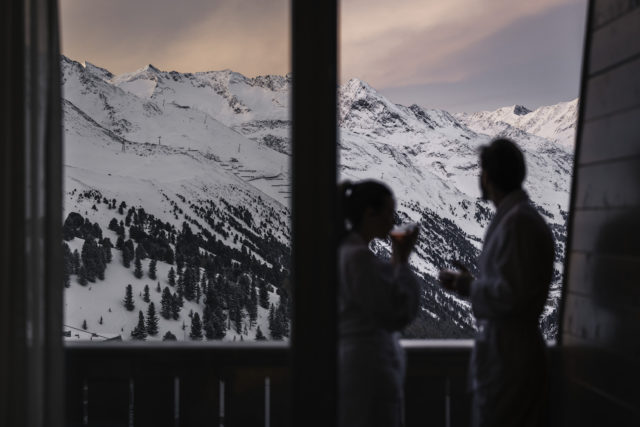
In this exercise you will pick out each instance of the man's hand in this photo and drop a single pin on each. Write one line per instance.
(458, 281)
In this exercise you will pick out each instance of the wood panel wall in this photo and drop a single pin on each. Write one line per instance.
(601, 318)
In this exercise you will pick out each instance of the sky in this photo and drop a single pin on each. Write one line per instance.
(459, 55)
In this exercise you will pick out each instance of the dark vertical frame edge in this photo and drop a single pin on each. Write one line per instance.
(314, 136)
(12, 354)
(54, 206)
(584, 78)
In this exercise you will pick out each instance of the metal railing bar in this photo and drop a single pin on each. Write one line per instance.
(221, 403)
(85, 402)
(267, 402)
(131, 402)
(176, 401)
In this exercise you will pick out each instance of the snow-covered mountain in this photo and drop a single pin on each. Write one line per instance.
(555, 122)
(210, 150)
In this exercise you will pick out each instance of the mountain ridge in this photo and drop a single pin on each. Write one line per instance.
(152, 138)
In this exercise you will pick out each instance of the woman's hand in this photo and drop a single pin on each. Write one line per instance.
(402, 245)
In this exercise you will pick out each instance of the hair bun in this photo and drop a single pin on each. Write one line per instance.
(346, 188)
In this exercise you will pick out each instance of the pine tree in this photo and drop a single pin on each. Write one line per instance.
(82, 276)
(67, 266)
(96, 231)
(152, 269)
(196, 328)
(106, 249)
(169, 257)
(179, 299)
(66, 278)
(152, 320)
(189, 284)
(274, 324)
(140, 331)
(235, 314)
(76, 262)
(204, 285)
(113, 225)
(128, 299)
(145, 294)
(264, 295)
(245, 289)
(169, 337)
(259, 335)
(175, 306)
(200, 288)
(252, 306)
(281, 320)
(172, 277)
(140, 252)
(100, 321)
(120, 243)
(272, 315)
(166, 304)
(206, 322)
(158, 289)
(214, 318)
(138, 270)
(88, 260)
(210, 297)
(101, 263)
(127, 256)
(84, 324)
(219, 326)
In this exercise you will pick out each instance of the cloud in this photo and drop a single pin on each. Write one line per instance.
(423, 41)
(248, 36)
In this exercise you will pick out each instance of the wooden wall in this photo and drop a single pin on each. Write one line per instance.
(601, 318)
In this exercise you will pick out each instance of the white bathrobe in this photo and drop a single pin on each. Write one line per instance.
(376, 300)
(508, 374)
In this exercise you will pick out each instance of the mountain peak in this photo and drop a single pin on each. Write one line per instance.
(271, 81)
(97, 71)
(355, 83)
(355, 89)
(520, 110)
(151, 68)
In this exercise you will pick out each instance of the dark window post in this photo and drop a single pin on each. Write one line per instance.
(314, 52)
(31, 365)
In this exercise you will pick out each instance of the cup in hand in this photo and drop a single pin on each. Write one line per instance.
(400, 232)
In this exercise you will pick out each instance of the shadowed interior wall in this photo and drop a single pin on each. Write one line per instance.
(601, 318)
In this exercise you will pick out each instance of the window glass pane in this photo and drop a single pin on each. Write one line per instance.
(176, 125)
(423, 85)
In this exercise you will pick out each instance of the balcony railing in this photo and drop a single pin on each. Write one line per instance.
(236, 384)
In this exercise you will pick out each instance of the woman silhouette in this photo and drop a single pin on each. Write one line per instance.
(376, 299)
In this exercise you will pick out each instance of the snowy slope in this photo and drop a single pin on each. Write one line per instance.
(174, 143)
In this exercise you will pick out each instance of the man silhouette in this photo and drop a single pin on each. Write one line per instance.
(508, 372)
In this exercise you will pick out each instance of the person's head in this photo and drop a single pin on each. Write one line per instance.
(367, 207)
(503, 169)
